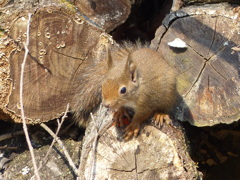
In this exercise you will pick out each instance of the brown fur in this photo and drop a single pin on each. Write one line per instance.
(153, 91)
(150, 84)
(88, 90)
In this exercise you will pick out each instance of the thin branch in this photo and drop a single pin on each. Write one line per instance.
(5, 147)
(54, 140)
(94, 148)
(21, 100)
(71, 163)
(10, 135)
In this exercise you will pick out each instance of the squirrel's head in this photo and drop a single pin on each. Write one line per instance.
(121, 83)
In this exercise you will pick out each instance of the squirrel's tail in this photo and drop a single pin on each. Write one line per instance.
(88, 92)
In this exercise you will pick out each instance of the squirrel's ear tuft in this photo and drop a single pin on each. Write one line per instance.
(109, 58)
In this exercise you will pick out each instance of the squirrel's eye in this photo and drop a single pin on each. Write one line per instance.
(123, 90)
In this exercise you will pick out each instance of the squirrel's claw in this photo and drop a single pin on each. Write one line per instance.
(131, 130)
(159, 119)
(119, 115)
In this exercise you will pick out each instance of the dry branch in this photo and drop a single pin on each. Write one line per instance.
(65, 151)
(54, 140)
(9, 148)
(21, 100)
(10, 135)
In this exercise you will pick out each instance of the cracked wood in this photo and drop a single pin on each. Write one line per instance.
(208, 70)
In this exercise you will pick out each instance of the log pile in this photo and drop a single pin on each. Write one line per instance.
(66, 38)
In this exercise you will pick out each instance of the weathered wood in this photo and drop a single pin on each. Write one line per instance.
(187, 2)
(57, 49)
(154, 154)
(7, 46)
(3, 3)
(179, 3)
(106, 15)
(63, 46)
(63, 43)
(55, 168)
(208, 69)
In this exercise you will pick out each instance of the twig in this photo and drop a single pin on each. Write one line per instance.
(54, 140)
(10, 135)
(5, 147)
(71, 163)
(21, 100)
(94, 148)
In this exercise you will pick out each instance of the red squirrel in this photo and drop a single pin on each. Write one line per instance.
(143, 81)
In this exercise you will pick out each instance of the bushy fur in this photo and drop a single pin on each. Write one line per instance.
(156, 91)
(88, 94)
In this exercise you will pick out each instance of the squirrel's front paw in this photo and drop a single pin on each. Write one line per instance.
(131, 129)
(121, 117)
(160, 118)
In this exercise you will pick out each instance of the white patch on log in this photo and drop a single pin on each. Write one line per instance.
(177, 43)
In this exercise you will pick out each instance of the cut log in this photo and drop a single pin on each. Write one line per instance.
(62, 44)
(154, 154)
(106, 15)
(208, 68)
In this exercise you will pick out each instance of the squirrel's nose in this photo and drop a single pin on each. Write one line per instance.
(106, 105)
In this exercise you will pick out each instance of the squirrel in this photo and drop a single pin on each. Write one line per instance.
(142, 81)
(134, 77)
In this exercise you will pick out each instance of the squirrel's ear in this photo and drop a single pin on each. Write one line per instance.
(109, 58)
(131, 67)
(134, 74)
